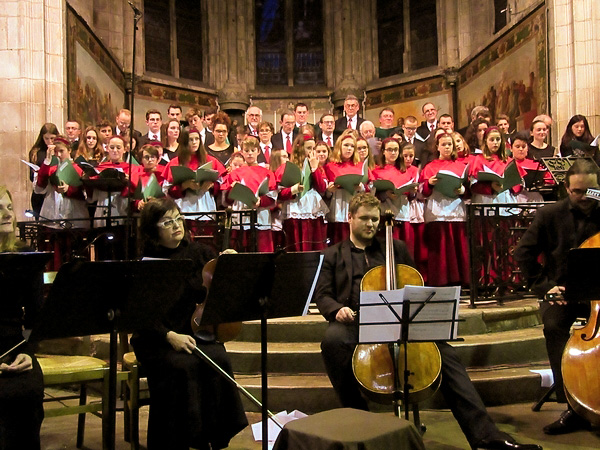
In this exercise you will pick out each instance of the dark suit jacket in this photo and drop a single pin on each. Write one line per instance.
(555, 230)
(277, 140)
(335, 280)
(424, 130)
(342, 123)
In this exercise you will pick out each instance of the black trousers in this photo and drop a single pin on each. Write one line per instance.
(557, 320)
(457, 388)
(21, 409)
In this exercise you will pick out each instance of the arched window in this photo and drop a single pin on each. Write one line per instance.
(289, 42)
(407, 36)
(173, 38)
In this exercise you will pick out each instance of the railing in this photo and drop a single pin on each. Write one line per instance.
(494, 231)
(73, 239)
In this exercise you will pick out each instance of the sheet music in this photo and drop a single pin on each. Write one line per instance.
(379, 324)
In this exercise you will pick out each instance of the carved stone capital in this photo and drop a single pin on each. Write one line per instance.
(234, 96)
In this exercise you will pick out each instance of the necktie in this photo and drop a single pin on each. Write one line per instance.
(431, 127)
(329, 141)
(153, 138)
(288, 145)
(349, 123)
(267, 154)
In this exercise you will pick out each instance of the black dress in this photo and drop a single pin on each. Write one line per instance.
(191, 404)
(21, 394)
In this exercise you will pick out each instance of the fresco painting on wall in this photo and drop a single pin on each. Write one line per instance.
(509, 77)
(95, 82)
(408, 100)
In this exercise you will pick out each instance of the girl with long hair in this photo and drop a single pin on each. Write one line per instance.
(303, 213)
(37, 154)
(445, 220)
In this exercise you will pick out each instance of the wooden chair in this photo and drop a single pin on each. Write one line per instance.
(135, 395)
(67, 370)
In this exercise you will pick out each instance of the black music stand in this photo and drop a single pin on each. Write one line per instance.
(19, 272)
(110, 297)
(582, 283)
(109, 180)
(261, 286)
(396, 329)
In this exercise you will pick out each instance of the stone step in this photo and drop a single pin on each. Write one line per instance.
(312, 393)
(482, 350)
(491, 318)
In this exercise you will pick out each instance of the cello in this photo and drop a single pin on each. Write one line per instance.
(221, 332)
(373, 364)
(581, 360)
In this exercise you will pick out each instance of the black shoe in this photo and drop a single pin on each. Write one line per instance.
(500, 444)
(568, 422)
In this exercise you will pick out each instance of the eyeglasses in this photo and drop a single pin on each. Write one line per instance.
(169, 223)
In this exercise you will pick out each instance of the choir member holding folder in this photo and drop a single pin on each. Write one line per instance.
(301, 185)
(346, 175)
(252, 186)
(494, 177)
(395, 186)
(111, 178)
(191, 177)
(148, 182)
(445, 216)
(60, 182)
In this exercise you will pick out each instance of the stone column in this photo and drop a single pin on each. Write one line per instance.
(231, 51)
(574, 60)
(351, 47)
(32, 84)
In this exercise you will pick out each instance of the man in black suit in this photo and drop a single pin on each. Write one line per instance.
(265, 133)
(154, 122)
(351, 119)
(337, 296)
(253, 118)
(174, 111)
(326, 127)
(410, 136)
(430, 122)
(301, 114)
(555, 230)
(284, 138)
(73, 133)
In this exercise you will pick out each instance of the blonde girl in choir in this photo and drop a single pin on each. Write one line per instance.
(303, 213)
(364, 152)
(61, 202)
(190, 196)
(344, 160)
(445, 220)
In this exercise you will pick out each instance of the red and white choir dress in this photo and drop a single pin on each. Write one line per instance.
(445, 229)
(339, 203)
(400, 205)
(482, 190)
(526, 165)
(188, 200)
(143, 176)
(304, 216)
(253, 176)
(118, 200)
(67, 206)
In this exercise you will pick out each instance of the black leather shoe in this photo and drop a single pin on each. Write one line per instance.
(499, 444)
(568, 422)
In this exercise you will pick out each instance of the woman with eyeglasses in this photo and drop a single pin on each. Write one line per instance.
(21, 379)
(192, 405)
(221, 148)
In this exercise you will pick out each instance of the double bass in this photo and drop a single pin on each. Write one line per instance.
(581, 360)
(373, 364)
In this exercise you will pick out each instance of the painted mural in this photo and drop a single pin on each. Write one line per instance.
(408, 99)
(95, 81)
(509, 77)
